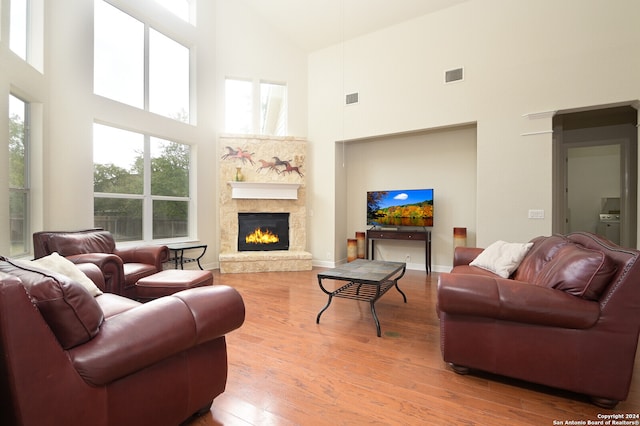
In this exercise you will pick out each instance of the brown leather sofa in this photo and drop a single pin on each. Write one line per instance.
(68, 358)
(568, 317)
(121, 267)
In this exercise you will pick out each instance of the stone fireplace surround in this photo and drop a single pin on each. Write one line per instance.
(264, 189)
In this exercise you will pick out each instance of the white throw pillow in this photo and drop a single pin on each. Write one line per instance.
(56, 263)
(502, 258)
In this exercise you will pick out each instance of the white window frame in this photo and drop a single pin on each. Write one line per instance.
(170, 32)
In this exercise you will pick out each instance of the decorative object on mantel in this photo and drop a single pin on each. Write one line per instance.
(239, 175)
(352, 249)
(360, 238)
(459, 237)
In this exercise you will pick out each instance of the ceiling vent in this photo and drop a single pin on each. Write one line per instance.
(454, 75)
(351, 98)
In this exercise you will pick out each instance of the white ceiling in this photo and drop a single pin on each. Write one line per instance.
(315, 24)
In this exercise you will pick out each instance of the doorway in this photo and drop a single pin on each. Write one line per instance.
(595, 173)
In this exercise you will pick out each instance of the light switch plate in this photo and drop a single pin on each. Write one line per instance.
(536, 214)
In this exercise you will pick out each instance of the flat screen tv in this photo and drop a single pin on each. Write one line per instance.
(402, 208)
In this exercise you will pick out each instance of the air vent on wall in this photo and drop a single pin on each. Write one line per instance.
(351, 98)
(454, 75)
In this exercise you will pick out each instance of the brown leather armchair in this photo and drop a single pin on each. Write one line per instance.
(122, 267)
(67, 358)
(568, 317)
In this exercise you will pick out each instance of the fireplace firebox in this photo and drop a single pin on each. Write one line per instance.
(263, 231)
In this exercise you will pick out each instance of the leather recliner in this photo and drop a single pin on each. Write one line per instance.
(121, 267)
(69, 358)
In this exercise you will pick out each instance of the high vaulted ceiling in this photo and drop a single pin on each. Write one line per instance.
(316, 24)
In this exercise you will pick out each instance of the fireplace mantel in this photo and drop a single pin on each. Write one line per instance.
(264, 190)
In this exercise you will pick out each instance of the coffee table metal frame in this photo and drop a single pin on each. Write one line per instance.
(367, 280)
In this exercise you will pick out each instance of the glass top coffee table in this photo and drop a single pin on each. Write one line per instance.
(367, 280)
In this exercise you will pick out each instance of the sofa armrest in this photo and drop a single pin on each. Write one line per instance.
(464, 255)
(509, 300)
(149, 255)
(109, 264)
(149, 333)
(94, 273)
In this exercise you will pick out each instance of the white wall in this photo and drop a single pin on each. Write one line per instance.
(443, 159)
(519, 58)
(68, 150)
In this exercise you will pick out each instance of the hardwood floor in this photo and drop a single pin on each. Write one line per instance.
(284, 369)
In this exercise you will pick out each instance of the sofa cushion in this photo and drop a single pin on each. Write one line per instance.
(501, 257)
(71, 312)
(543, 250)
(56, 263)
(68, 244)
(472, 270)
(578, 271)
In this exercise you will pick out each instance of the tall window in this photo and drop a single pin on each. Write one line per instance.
(273, 109)
(168, 77)
(19, 176)
(26, 27)
(138, 65)
(245, 113)
(18, 28)
(141, 185)
(118, 55)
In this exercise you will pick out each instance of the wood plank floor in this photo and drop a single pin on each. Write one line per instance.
(284, 369)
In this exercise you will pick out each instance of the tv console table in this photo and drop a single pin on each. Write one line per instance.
(375, 234)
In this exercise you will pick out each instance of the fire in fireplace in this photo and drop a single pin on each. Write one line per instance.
(263, 231)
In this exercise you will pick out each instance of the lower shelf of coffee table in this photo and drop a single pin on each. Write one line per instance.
(362, 291)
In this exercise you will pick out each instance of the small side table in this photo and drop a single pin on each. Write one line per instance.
(178, 257)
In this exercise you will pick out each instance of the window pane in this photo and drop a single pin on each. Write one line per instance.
(18, 178)
(169, 168)
(19, 223)
(17, 143)
(273, 109)
(170, 219)
(118, 160)
(238, 111)
(18, 28)
(122, 217)
(168, 77)
(118, 55)
(180, 8)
